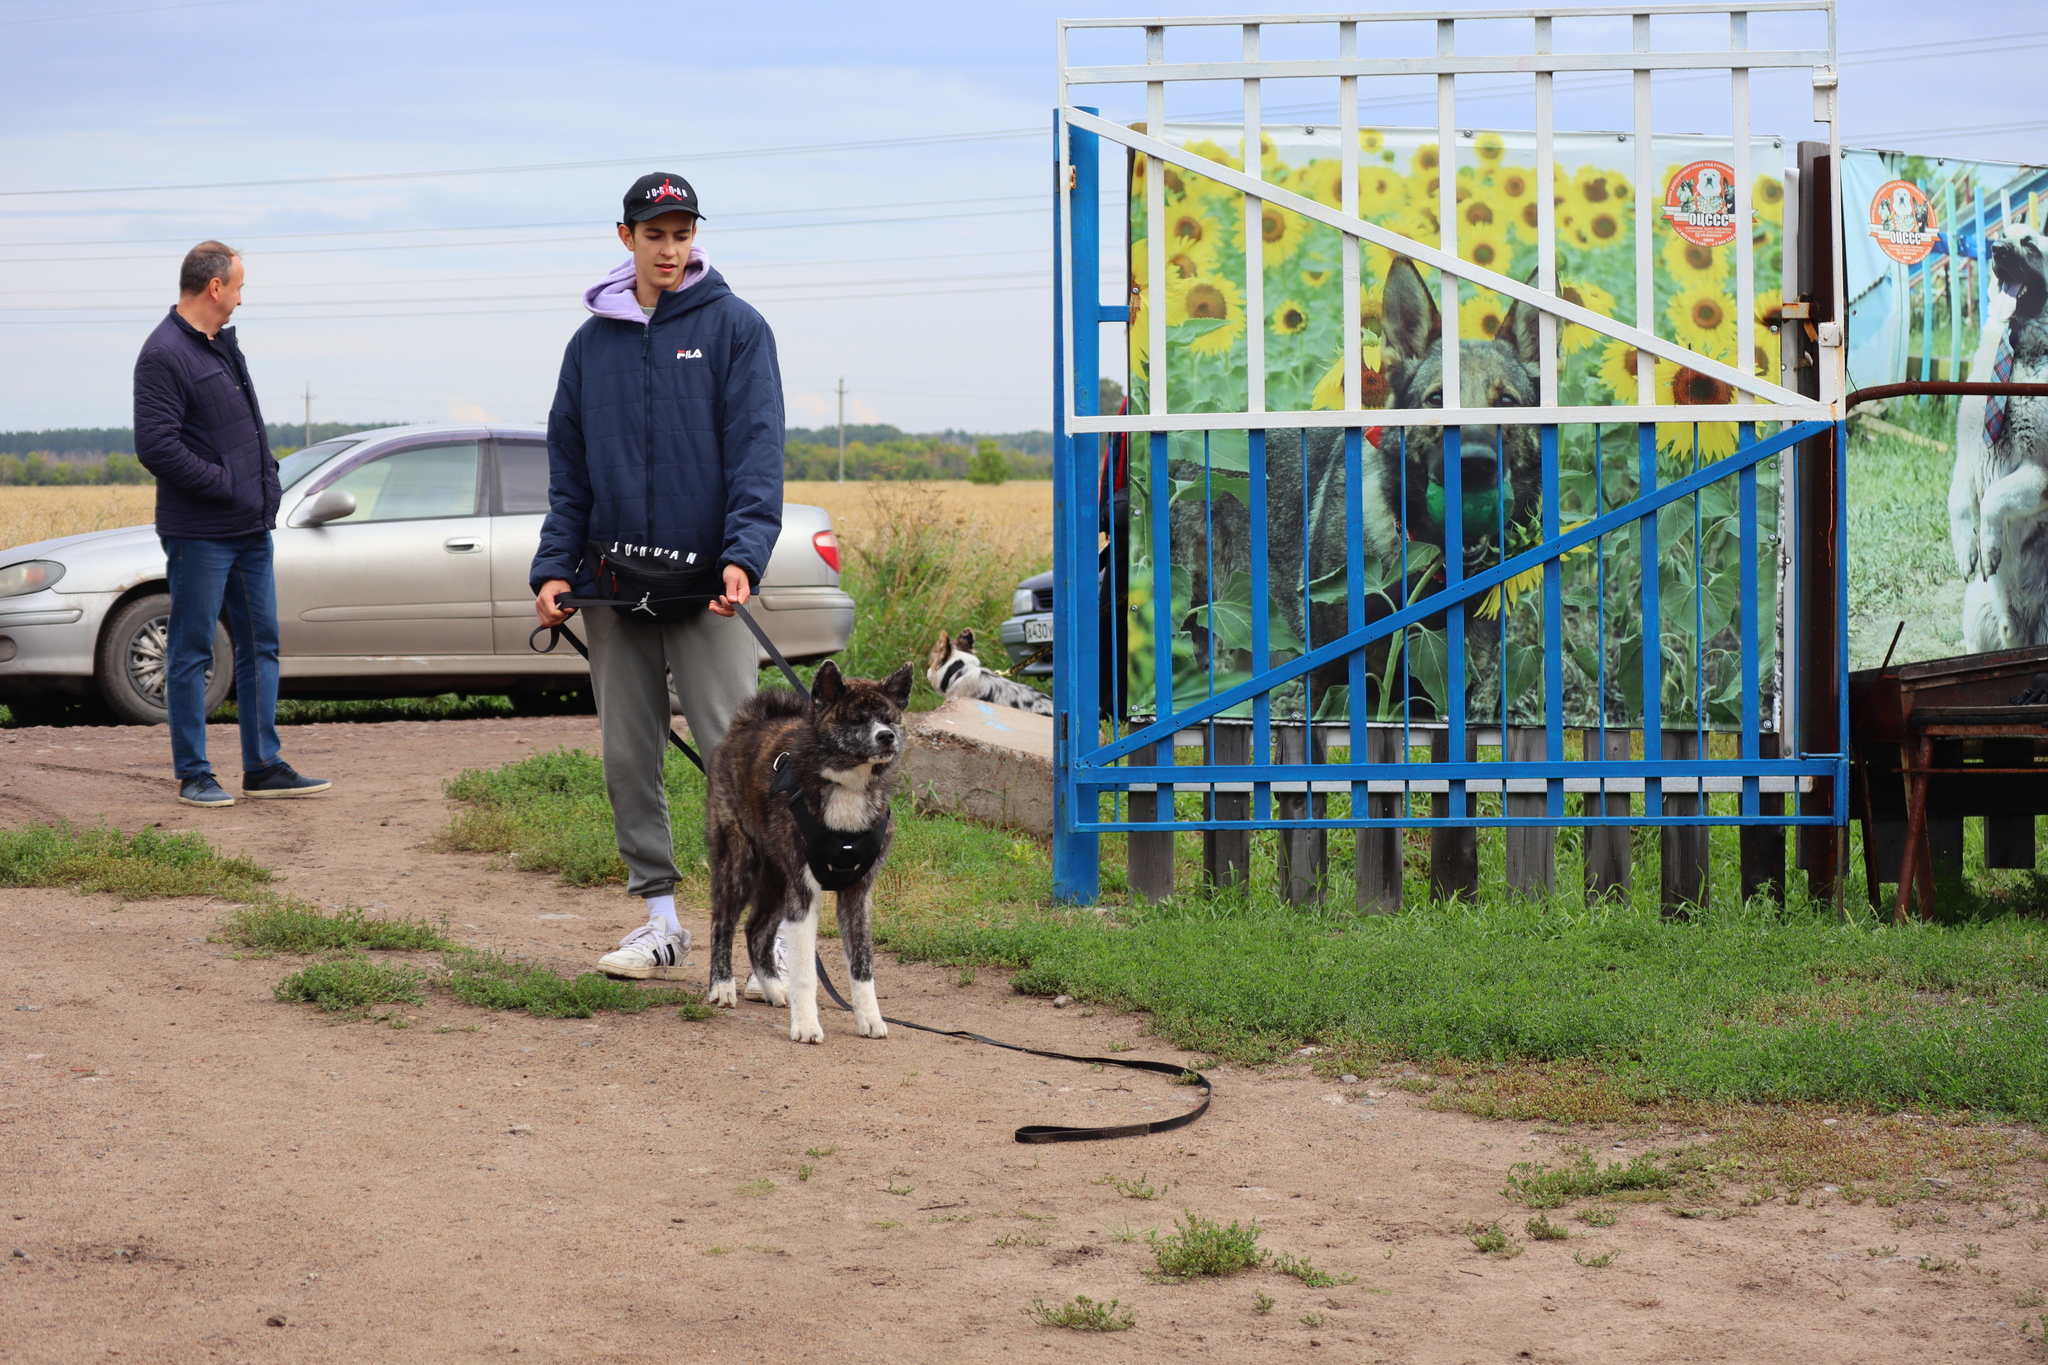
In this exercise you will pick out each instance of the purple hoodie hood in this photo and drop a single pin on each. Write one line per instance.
(613, 296)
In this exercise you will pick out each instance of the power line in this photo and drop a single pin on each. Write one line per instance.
(802, 149)
(1981, 129)
(111, 13)
(512, 312)
(511, 227)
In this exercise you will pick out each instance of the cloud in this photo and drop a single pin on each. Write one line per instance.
(808, 409)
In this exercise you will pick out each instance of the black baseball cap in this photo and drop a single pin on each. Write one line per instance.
(657, 193)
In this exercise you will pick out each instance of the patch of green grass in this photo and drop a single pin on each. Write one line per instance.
(821, 1151)
(447, 706)
(1492, 1239)
(1596, 1218)
(351, 983)
(496, 982)
(282, 926)
(1742, 1003)
(1541, 1229)
(1262, 1302)
(1597, 1261)
(1083, 1314)
(1019, 1239)
(1135, 1189)
(148, 863)
(1540, 1187)
(1287, 1263)
(756, 1189)
(1202, 1246)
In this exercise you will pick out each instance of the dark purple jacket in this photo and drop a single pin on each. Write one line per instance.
(199, 431)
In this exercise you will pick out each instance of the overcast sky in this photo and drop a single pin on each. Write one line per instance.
(916, 272)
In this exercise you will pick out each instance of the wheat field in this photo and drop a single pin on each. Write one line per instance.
(31, 514)
(1011, 518)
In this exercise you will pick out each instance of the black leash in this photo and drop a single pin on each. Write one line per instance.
(1030, 1132)
(1052, 1132)
(556, 634)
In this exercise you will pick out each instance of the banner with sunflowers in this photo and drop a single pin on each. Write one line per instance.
(1936, 567)
(1210, 490)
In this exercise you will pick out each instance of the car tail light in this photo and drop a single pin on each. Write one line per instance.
(827, 546)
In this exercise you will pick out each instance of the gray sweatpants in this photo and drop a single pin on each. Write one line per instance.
(713, 661)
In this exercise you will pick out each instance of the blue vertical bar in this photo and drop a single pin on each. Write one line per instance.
(1841, 801)
(1746, 514)
(1262, 624)
(1158, 493)
(1927, 317)
(1354, 602)
(1076, 865)
(1454, 623)
(1553, 629)
(1652, 588)
(1983, 254)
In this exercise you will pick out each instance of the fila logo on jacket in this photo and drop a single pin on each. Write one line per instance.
(694, 354)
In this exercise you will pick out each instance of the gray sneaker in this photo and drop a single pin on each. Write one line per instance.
(279, 780)
(203, 791)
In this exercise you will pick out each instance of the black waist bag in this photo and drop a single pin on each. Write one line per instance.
(655, 585)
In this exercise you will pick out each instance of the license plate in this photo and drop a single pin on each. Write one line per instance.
(1038, 632)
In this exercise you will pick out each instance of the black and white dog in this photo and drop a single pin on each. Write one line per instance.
(954, 671)
(1998, 493)
(798, 806)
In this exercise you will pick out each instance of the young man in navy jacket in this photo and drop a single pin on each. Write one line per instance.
(199, 430)
(665, 441)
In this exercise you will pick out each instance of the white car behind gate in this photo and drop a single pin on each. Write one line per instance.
(402, 559)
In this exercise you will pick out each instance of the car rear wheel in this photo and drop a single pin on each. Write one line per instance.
(133, 657)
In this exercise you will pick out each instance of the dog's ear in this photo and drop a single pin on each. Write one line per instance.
(1520, 332)
(1409, 312)
(826, 684)
(896, 687)
(940, 650)
(966, 642)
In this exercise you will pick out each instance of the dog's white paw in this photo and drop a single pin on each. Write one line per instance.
(775, 991)
(806, 1031)
(723, 995)
(867, 1014)
(872, 1028)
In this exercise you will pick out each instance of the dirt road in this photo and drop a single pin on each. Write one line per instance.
(188, 1162)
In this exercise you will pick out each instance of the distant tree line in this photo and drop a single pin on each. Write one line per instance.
(100, 455)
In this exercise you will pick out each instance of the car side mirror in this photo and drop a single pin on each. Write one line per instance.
(329, 504)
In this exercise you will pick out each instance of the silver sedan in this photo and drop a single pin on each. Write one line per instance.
(402, 559)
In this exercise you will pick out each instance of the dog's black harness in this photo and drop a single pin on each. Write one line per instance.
(837, 858)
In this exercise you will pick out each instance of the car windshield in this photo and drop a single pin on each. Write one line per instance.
(299, 464)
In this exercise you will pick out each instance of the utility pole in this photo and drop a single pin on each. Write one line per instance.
(842, 428)
(309, 414)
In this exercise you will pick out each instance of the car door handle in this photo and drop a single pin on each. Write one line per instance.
(462, 545)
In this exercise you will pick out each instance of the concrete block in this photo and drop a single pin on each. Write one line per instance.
(984, 762)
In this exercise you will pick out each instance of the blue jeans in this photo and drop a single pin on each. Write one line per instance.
(209, 577)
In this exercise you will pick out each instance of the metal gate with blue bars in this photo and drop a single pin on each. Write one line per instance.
(1326, 638)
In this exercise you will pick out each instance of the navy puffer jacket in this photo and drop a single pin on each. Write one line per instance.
(667, 433)
(199, 430)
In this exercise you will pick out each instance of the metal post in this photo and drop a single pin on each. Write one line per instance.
(1075, 856)
(309, 413)
(842, 428)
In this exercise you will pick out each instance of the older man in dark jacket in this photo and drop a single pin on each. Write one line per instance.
(665, 451)
(199, 430)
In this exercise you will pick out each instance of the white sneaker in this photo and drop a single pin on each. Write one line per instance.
(753, 989)
(648, 952)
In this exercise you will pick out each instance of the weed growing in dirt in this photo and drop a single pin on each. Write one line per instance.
(351, 983)
(136, 866)
(1135, 1189)
(1939, 1265)
(1493, 1240)
(1541, 1229)
(966, 977)
(1262, 1302)
(282, 926)
(1311, 1319)
(1287, 1263)
(820, 1151)
(1880, 1253)
(496, 982)
(1596, 1218)
(1125, 1232)
(1540, 1187)
(756, 1189)
(2031, 1298)
(1201, 1246)
(1083, 1314)
(805, 1170)
(1019, 1239)
(1600, 1261)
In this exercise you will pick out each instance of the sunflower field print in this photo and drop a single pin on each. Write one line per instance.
(1209, 247)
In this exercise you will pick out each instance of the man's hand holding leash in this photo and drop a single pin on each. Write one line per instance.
(737, 591)
(544, 604)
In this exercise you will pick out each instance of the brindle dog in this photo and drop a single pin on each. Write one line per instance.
(843, 748)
